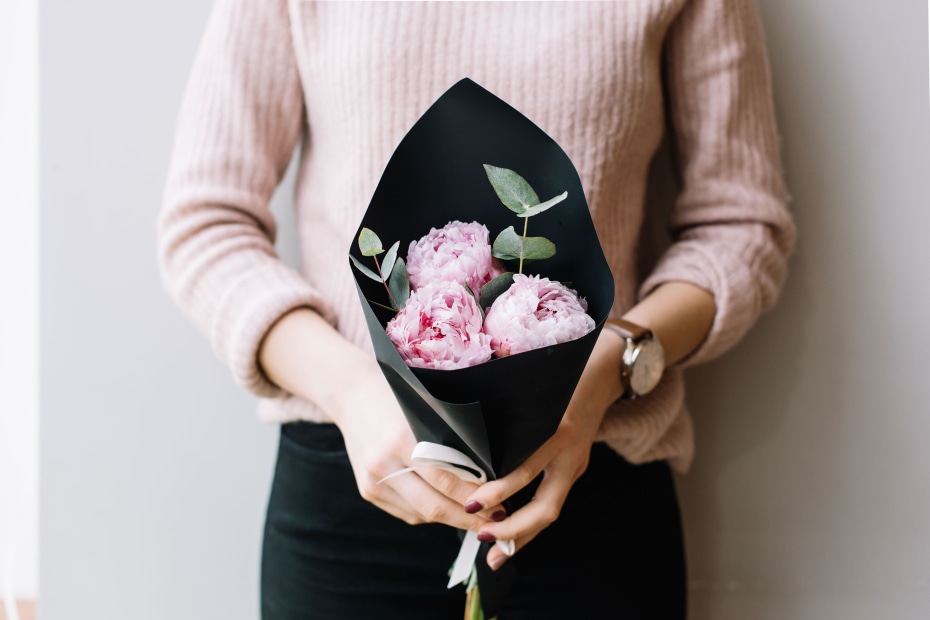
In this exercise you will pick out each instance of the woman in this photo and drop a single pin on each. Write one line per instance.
(344, 81)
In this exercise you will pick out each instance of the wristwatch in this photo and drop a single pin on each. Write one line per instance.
(643, 361)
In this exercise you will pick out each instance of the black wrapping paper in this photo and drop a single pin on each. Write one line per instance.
(499, 412)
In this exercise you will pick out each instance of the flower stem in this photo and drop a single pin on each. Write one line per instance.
(526, 222)
(472, 604)
(386, 287)
(375, 303)
(473, 608)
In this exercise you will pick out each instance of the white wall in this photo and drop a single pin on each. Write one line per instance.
(19, 304)
(808, 498)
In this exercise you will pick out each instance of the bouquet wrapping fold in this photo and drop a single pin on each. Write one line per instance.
(499, 412)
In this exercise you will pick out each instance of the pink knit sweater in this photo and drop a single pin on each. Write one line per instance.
(344, 81)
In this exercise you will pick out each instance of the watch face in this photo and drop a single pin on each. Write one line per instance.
(648, 367)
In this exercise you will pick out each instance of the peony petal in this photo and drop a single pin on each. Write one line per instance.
(533, 313)
(440, 327)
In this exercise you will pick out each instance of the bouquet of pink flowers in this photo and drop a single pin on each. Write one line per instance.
(482, 355)
(458, 305)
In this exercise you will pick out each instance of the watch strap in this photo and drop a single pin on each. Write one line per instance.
(628, 329)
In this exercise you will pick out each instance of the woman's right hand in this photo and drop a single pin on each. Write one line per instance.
(379, 442)
(304, 355)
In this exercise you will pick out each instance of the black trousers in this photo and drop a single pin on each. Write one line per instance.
(616, 552)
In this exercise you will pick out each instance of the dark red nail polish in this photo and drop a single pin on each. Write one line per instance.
(486, 537)
(472, 507)
(498, 515)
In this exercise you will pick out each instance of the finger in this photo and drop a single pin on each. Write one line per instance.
(431, 506)
(545, 507)
(494, 493)
(496, 557)
(384, 496)
(458, 490)
(529, 520)
(447, 483)
(391, 502)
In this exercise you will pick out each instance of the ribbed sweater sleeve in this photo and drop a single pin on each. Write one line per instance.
(239, 123)
(731, 227)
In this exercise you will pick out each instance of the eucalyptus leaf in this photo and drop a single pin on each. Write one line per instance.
(365, 270)
(537, 248)
(510, 246)
(544, 206)
(494, 289)
(369, 243)
(513, 190)
(399, 283)
(387, 265)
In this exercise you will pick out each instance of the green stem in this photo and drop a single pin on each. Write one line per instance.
(394, 310)
(473, 608)
(386, 287)
(526, 222)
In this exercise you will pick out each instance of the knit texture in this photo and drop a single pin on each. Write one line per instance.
(344, 81)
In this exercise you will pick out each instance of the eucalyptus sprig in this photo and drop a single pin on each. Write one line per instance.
(391, 271)
(518, 196)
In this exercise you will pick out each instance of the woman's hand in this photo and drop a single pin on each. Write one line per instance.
(379, 442)
(562, 459)
(680, 315)
(348, 385)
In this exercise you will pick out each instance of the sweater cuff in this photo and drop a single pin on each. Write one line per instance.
(248, 310)
(727, 278)
(653, 427)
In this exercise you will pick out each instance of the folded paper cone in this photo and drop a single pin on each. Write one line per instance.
(499, 412)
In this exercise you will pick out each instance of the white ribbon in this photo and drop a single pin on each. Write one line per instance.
(427, 454)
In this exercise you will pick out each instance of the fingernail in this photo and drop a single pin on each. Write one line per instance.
(472, 507)
(486, 537)
(497, 562)
(498, 515)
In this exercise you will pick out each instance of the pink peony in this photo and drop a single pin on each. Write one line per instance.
(535, 312)
(440, 327)
(457, 252)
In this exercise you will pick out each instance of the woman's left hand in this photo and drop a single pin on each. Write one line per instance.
(562, 459)
(680, 314)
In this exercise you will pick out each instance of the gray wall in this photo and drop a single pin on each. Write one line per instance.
(154, 468)
(809, 494)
